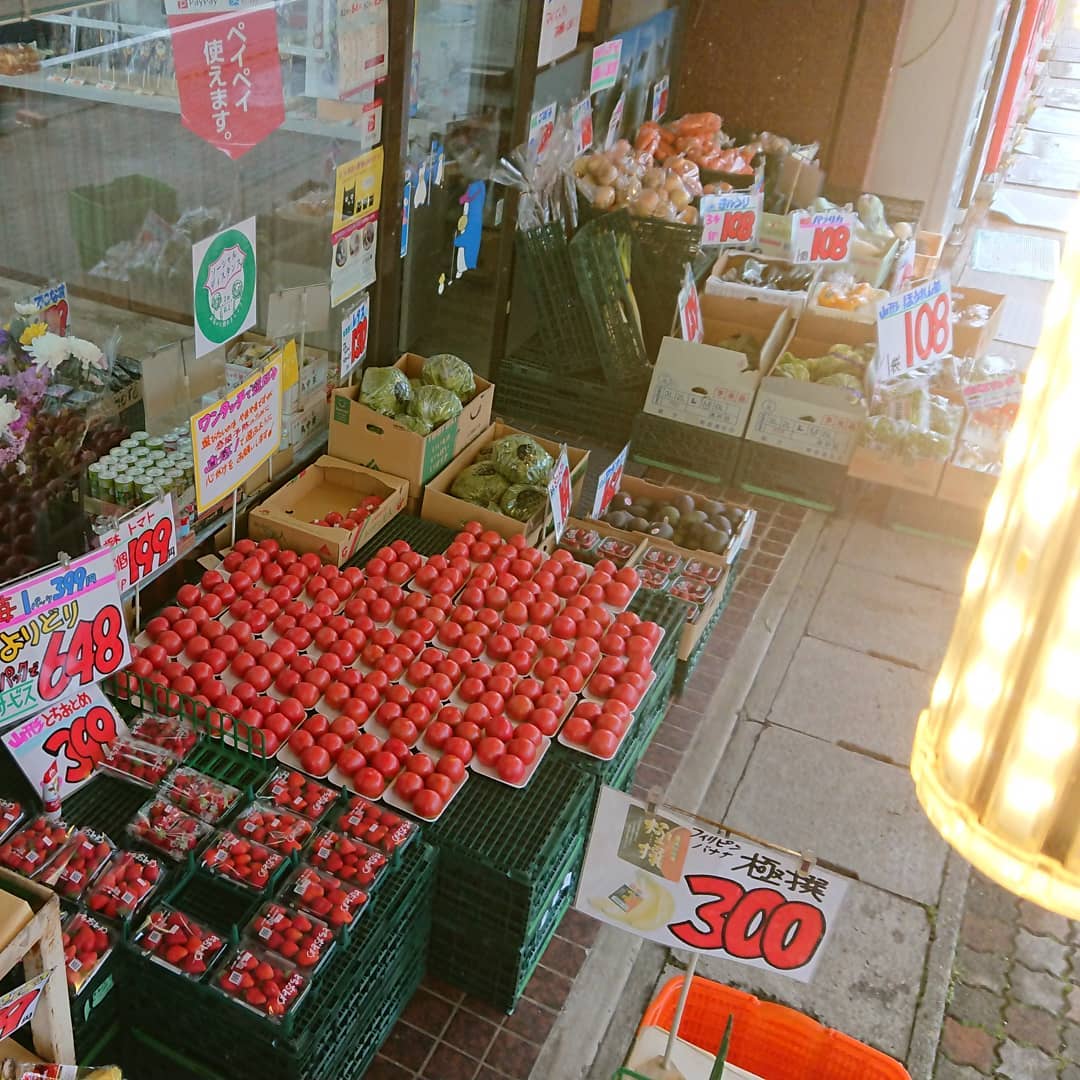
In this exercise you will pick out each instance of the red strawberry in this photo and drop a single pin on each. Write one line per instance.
(172, 938)
(382, 829)
(124, 884)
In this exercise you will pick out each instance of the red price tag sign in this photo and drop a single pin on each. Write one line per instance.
(143, 542)
(730, 221)
(71, 733)
(693, 329)
(19, 1005)
(822, 238)
(560, 493)
(914, 329)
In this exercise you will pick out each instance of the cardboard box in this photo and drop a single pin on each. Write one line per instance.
(807, 418)
(635, 486)
(439, 505)
(715, 286)
(366, 437)
(328, 485)
(252, 351)
(928, 249)
(922, 476)
(711, 387)
(975, 340)
(967, 487)
(15, 913)
(313, 413)
(867, 314)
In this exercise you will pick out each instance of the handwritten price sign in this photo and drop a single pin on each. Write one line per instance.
(61, 631)
(609, 483)
(914, 329)
(693, 329)
(665, 878)
(73, 733)
(730, 221)
(19, 1005)
(560, 493)
(822, 238)
(143, 542)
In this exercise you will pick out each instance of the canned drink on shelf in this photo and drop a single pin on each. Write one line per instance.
(93, 478)
(148, 488)
(159, 456)
(124, 486)
(107, 485)
(155, 442)
(130, 444)
(171, 441)
(140, 436)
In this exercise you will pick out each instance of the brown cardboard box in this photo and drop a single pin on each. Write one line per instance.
(15, 913)
(363, 436)
(328, 485)
(922, 476)
(439, 505)
(711, 387)
(635, 486)
(967, 487)
(716, 286)
(807, 418)
(971, 340)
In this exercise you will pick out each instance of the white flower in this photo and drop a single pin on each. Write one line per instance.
(86, 352)
(21, 467)
(26, 309)
(9, 413)
(49, 350)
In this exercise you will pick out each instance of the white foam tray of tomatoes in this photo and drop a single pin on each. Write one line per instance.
(436, 785)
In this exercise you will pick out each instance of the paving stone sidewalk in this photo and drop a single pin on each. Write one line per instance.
(1014, 1009)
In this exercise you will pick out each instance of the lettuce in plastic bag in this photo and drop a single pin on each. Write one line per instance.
(386, 390)
(434, 405)
(521, 501)
(792, 369)
(522, 460)
(450, 372)
(479, 483)
(414, 423)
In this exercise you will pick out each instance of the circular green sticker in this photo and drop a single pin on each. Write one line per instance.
(225, 286)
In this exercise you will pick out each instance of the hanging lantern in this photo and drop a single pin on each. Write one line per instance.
(996, 760)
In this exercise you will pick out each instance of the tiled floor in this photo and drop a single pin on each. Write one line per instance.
(446, 1035)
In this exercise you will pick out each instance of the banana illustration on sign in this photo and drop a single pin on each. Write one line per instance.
(645, 905)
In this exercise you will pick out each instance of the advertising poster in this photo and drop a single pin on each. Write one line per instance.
(352, 40)
(559, 28)
(357, 191)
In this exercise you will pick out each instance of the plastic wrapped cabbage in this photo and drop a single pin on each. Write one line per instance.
(450, 372)
(522, 460)
(414, 423)
(792, 369)
(521, 501)
(821, 367)
(850, 383)
(386, 390)
(479, 483)
(945, 418)
(434, 405)
(884, 433)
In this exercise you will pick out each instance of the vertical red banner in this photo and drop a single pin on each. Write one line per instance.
(228, 74)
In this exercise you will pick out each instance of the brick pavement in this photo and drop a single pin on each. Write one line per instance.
(1014, 1007)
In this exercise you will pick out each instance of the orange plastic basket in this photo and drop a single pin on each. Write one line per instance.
(773, 1041)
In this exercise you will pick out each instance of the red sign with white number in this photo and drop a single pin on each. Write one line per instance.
(19, 1005)
(61, 631)
(72, 733)
(228, 75)
(914, 329)
(670, 879)
(822, 238)
(143, 542)
(560, 493)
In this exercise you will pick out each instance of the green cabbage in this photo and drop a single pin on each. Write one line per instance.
(386, 390)
(792, 369)
(521, 501)
(434, 405)
(850, 383)
(413, 423)
(450, 372)
(522, 460)
(479, 483)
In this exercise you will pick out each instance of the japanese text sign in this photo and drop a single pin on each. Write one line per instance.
(583, 129)
(143, 542)
(693, 329)
(615, 122)
(994, 393)
(357, 188)
(61, 630)
(234, 436)
(224, 270)
(228, 76)
(357, 195)
(560, 493)
(609, 483)
(822, 238)
(53, 306)
(541, 128)
(17, 1007)
(659, 99)
(914, 329)
(71, 733)
(354, 336)
(605, 66)
(662, 877)
(559, 26)
(730, 220)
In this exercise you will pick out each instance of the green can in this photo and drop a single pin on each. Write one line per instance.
(124, 489)
(147, 488)
(140, 436)
(130, 444)
(93, 478)
(107, 485)
(159, 456)
(155, 442)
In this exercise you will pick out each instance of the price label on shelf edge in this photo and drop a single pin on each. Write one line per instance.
(822, 238)
(560, 493)
(143, 542)
(61, 631)
(914, 329)
(72, 733)
(730, 220)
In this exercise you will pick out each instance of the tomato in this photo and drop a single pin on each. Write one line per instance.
(577, 730)
(437, 734)
(612, 722)
(603, 743)
(386, 763)
(439, 782)
(369, 782)
(459, 748)
(469, 731)
(404, 729)
(421, 764)
(315, 760)
(408, 784)
(519, 707)
(428, 804)
(523, 749)
(450, 765)
(499, 727)
(510, 768)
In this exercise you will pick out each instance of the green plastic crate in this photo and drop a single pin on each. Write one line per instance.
(106, 214)
(685, 449)
(106, 803)
(796, 478)
(426, 537)
(228, 764)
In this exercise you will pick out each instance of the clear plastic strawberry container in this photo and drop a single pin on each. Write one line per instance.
(173, 734)
(243, 862)
(87, 944)
(379, 827)
(136, 761)
(294, 935)
(77, 863)
(280, 830)
(349, 860)
(326, 897)
(124, 886)
(196, 793)
(262, 981)
(167, 829)
(29, 850)
(176, 941)
(292, 790)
